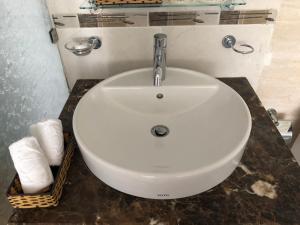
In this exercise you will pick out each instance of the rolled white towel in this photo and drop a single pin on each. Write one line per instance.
(31, 164)
(49, 134)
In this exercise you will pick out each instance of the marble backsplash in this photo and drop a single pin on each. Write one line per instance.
(32, 82)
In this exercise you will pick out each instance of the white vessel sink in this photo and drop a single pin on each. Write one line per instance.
(202, 127)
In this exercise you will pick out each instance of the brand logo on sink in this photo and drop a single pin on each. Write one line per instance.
(163, 195)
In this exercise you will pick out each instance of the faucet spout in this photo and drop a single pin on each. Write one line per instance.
(159, 59)
(157, 80)
(157, 72)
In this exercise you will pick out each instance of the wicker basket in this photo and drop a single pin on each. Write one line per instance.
(51, 196)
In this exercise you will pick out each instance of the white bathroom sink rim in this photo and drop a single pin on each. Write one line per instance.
(153, 175)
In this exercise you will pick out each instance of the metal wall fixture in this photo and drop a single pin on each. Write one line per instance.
(229, 41)
(274, 117)
(82, 47)
(284, 127)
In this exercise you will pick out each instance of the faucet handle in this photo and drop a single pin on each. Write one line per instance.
(160, 40)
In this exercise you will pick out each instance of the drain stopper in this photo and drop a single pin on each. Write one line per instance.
(160, 131)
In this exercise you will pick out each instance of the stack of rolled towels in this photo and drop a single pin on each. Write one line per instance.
(33, 156)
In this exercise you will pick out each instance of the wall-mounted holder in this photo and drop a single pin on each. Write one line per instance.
(229, 41)
(83, 47)
(283, 126)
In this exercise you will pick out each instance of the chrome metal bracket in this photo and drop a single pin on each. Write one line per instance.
(53, 35)
(229, 41)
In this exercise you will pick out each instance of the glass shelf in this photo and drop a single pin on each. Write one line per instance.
(223, 4)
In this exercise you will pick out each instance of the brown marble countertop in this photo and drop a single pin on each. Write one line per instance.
(267, 163)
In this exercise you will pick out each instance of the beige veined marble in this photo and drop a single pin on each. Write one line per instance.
(279, 85)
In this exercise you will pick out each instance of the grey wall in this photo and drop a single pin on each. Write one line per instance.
(32, 83)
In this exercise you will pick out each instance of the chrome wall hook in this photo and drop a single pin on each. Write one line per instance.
(83, 47)
(229, 41)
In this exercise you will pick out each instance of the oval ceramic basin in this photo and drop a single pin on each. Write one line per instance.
(203, 127)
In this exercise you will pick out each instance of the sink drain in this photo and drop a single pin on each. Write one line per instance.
(160, 131)
(159, 96)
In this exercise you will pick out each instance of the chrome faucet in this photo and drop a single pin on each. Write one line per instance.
(159, 60)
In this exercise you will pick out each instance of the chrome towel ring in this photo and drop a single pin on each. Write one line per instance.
(229, 41)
